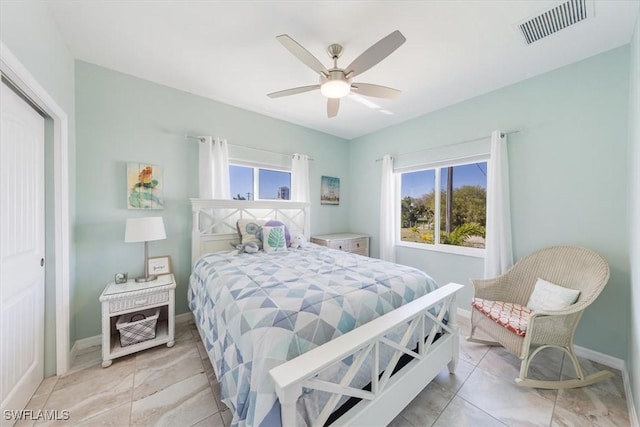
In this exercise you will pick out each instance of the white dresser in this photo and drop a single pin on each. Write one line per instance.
(348, 242)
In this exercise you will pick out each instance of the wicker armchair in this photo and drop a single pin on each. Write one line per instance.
(570, 267)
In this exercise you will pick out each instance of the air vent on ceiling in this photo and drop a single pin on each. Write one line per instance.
(547, 23)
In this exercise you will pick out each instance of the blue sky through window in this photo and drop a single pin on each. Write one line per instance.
(416, 184)
(271, 181)
(241, 182)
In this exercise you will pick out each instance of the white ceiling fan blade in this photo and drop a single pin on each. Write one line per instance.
(302, 54)
(377, 91)
(293, 91)
(333, 105)
(375, 54)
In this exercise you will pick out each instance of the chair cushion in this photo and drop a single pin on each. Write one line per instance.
(514, 317)
(547, 296)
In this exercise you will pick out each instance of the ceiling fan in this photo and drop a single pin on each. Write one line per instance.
(337, 82)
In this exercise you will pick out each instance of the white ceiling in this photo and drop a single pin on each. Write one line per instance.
(227, 51)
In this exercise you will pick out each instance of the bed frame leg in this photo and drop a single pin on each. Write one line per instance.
(453, 363)
(453, 322)
(288, 398)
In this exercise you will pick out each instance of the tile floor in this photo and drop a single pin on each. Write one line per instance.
(177, 387)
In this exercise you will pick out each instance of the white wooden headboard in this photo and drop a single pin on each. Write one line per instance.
(214, 221)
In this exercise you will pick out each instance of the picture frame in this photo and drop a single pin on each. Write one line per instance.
(144, 186)
(159, 265)
(329, 190)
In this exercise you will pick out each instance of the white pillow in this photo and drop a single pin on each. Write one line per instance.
(273, 238)
(248, 229)
(547, 296)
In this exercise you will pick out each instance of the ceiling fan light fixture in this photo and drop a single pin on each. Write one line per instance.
(335, 88)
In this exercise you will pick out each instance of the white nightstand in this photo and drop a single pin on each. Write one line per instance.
(131, 297)
(348, 242)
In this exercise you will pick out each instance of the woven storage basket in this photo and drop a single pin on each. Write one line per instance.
(138, 326)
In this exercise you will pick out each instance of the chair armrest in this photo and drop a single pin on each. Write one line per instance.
(573, 308)
(553, 327)
(494, 289)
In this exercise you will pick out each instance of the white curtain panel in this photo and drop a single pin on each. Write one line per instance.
(214, 169)
(387, 211)
(498, 250)
(300, 178)
(213, 174)
(300, 184)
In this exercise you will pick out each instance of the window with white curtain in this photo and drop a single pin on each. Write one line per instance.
(443, 206)
(250, 182)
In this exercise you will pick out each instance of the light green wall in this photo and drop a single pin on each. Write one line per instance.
(27, 29)
(568, 176)
(633, 360)
(125, 119)
(575, 125)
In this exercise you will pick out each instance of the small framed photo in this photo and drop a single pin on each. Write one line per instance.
(160, 265)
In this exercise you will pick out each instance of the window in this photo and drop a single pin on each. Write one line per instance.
(268, 184)
(453, 216)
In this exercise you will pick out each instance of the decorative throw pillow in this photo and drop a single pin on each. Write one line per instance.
(273, 238)
(248, 230)
(273, 223)
(547, 296)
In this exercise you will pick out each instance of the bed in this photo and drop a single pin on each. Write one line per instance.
(295, 336)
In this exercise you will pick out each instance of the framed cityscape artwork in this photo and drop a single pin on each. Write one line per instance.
(330, 191)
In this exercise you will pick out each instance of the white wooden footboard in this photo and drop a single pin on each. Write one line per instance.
(388, 395)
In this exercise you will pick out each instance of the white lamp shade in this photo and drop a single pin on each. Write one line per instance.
(144, 229)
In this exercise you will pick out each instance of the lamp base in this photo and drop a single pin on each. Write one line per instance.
(143, 279)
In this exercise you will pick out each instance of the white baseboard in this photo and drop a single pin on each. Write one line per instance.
(633, 414)
(464, 313)
(85, 343)
(601, 358)
(184, 317)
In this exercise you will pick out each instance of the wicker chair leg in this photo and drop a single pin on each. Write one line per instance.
(576, 365)
(581, 381)
(470, 337)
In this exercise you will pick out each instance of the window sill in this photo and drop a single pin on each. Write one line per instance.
(449, 249)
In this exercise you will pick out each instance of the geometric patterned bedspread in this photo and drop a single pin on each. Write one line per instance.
(257, 311)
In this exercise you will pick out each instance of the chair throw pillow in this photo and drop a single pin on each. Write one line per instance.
(514, 317)
(273, 239)
(547, 296)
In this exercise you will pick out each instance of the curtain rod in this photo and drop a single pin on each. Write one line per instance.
(467, 141)
(201, 139)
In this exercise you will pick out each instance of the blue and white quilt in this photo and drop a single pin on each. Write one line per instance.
(257, 311)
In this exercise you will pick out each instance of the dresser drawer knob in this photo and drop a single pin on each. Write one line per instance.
(140, 301)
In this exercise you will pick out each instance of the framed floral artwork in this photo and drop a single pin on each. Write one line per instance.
(144, 186)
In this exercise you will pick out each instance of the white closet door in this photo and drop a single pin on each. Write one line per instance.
(21, 250)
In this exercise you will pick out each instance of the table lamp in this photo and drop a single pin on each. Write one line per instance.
(145, 230)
